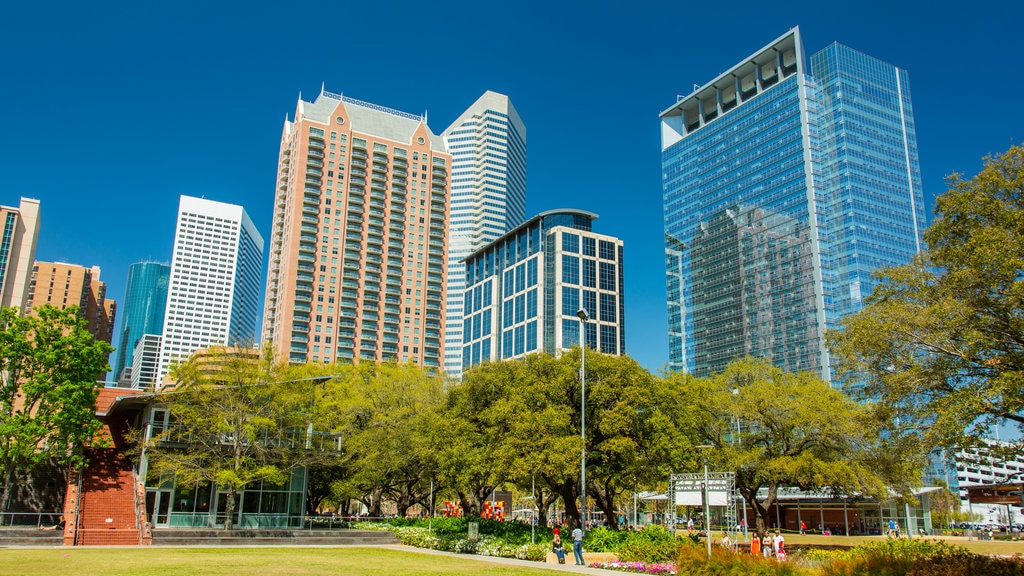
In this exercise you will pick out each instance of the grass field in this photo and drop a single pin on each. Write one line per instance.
(290, 561)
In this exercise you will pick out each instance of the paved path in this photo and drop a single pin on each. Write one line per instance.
(509, 561)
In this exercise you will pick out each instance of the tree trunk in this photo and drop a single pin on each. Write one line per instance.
(605, 500)
(5, 499)
(229, 509)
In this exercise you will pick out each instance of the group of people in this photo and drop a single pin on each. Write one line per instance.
(770, 546)
(577, 546)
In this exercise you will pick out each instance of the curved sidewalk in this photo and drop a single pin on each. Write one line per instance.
(509, 561)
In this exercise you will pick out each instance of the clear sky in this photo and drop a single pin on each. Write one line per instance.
(111, 110)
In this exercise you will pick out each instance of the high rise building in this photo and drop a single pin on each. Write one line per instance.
(62, 285)
(784, 188)
(17, 251)
(488, 147)
(213, 291)
(359, 241)
(142, 311)
(144, 370)
(525, 290)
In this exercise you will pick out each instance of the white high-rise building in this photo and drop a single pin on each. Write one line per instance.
(488, 190)
(213, 293)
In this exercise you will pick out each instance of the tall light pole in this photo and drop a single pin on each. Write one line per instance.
(704, 496)
(582, 315)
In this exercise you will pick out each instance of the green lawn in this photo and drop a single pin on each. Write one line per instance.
(242, 562)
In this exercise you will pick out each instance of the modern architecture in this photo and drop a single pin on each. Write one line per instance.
(17, 251)
(784, 186)
(213, 291)
(488, 147)
(524, 290)
(358, 246)
(142, 312)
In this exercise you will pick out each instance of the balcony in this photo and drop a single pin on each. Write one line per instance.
(314, 163)
(316, 144)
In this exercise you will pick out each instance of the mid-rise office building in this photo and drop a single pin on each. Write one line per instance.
(62, 285)
(359, 242)
(17, 251)
(142, 312)
(785, 186)
(488, 147)
(213, 291)
(525, 291)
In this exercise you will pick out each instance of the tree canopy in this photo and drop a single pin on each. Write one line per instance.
(49, 364)
(941, 340)
(776, 429)
(233, 423)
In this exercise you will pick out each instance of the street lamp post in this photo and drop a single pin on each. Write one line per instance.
(704, 497)
(582, 315)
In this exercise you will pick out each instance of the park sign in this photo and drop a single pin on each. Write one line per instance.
(996, 494)
(687, 488)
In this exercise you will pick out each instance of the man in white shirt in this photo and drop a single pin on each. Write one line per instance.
(577, 546)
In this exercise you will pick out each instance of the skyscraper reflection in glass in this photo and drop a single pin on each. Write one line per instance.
(783, 190)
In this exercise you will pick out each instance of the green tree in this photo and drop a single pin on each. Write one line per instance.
(941, 340)
(48, 367)
(233, 423)
(520, 420)
(389, 408)
(794, 430)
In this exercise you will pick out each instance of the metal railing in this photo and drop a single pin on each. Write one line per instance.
(29, 519)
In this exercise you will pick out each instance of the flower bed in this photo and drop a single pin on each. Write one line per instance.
(641, 567)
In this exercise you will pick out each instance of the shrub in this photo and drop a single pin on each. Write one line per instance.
(905, 557)
(694, 561)
(652, 544)
(603, 539)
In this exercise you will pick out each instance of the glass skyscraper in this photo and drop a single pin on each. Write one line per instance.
(523, 290)
(784, 188)
(143, 307)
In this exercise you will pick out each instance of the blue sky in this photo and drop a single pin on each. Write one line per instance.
(113, 110)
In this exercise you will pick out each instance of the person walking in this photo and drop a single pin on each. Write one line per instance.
(803, 528)
(577, 546)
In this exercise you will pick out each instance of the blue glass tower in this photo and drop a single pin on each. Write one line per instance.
(145, 301)
(783, 189)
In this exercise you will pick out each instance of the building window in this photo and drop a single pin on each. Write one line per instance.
(570, 243)
(570, 269)
(607, 276)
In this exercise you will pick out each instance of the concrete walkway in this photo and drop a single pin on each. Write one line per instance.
(511, 561)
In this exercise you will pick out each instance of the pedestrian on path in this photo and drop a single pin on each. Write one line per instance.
(577, 546)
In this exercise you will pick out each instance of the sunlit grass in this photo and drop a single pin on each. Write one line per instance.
(290, 561)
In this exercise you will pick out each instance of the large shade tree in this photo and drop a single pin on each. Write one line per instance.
(775, 429)
(941, 340)
(520, 420)
(49, 364)
(234, 423)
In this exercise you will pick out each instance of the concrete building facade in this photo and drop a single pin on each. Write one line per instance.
(488, 147)
(213, 291)
(359, 241)
(525, 290)
(17, 251)
(61, 285)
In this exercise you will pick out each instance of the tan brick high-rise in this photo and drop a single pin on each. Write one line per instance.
(62, 285)
(358, 248)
